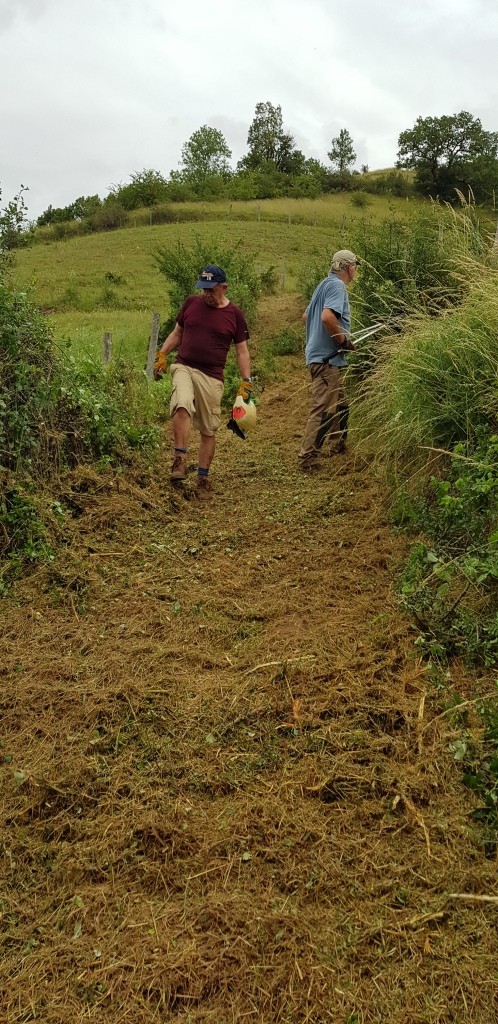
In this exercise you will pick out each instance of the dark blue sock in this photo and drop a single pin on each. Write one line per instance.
(202, 472)
(182, 451)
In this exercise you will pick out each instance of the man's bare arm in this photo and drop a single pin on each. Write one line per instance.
(243, 359)
(173, 340)
(333, 328)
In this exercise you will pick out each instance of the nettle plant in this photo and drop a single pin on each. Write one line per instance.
(450, 582)
(27, 379)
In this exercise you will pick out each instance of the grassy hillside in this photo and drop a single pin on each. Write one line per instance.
(109, 281)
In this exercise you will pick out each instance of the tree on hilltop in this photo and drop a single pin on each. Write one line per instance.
(82, 207)
(446, 151)
(269, 145)
(342, 154)
(204, 156)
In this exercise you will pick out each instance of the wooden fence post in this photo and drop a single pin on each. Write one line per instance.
(153, 340)
(494, 247)
(106, 348)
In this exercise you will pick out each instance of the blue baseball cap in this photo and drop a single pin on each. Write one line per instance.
(211, 276)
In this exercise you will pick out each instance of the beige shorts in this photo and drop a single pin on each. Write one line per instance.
(199, 394)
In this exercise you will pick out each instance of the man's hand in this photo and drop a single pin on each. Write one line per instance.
(160, 365)
(347, 344)
(245, 390)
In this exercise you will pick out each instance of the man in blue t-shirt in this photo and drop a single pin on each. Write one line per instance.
(328, 321)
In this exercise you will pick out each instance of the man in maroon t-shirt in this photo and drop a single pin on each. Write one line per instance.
(205, 328)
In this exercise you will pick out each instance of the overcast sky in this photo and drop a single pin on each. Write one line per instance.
(92, 90)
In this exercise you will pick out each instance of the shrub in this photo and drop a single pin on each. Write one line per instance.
(181, 267)
(269, 281)
(27, 378)
(108, 217)
(101, 410)
(23, 536)
(54, 413)
(450, 582)
(408, 266)
(14, 232)
(360, 199)
(287, 342)
(415, 264)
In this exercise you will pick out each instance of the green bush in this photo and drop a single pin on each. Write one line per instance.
(415, 265)
(409, 265)
(28, 379)
(182, 265)
(14, 230)
(269, 281)
(108, 217)
(55, 413)
(360, 199)
(23, 536)
(450, 582)
(103, 410)
(287, 342)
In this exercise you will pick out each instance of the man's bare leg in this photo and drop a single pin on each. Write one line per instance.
(206, 450)
(182, 425)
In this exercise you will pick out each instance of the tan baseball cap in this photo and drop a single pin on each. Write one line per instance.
(343, 258)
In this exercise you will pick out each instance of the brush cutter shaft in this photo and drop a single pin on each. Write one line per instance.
(360, 336)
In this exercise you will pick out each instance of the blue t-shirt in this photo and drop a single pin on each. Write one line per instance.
(332, 294)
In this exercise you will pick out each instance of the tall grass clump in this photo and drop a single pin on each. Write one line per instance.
(435, 385)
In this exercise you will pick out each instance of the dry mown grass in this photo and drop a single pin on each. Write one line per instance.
(224, 799)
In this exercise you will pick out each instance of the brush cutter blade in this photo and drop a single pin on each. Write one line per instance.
(233, 425)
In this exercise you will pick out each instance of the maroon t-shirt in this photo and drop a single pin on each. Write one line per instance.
(208, 332)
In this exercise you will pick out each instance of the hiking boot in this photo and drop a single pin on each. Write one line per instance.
(203, 489)
(309, 466)
(179, 468)
(338, 448)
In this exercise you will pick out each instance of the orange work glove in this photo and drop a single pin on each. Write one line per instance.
(160, 365)
(245, 389)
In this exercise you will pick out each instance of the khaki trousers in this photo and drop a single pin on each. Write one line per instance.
(327, 396)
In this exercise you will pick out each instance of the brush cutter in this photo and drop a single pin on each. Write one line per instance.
(243, 417)
(360, 336)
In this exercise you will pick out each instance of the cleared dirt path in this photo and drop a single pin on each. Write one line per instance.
(223, 798)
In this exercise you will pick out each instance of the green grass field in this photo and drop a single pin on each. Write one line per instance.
(109, 281)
